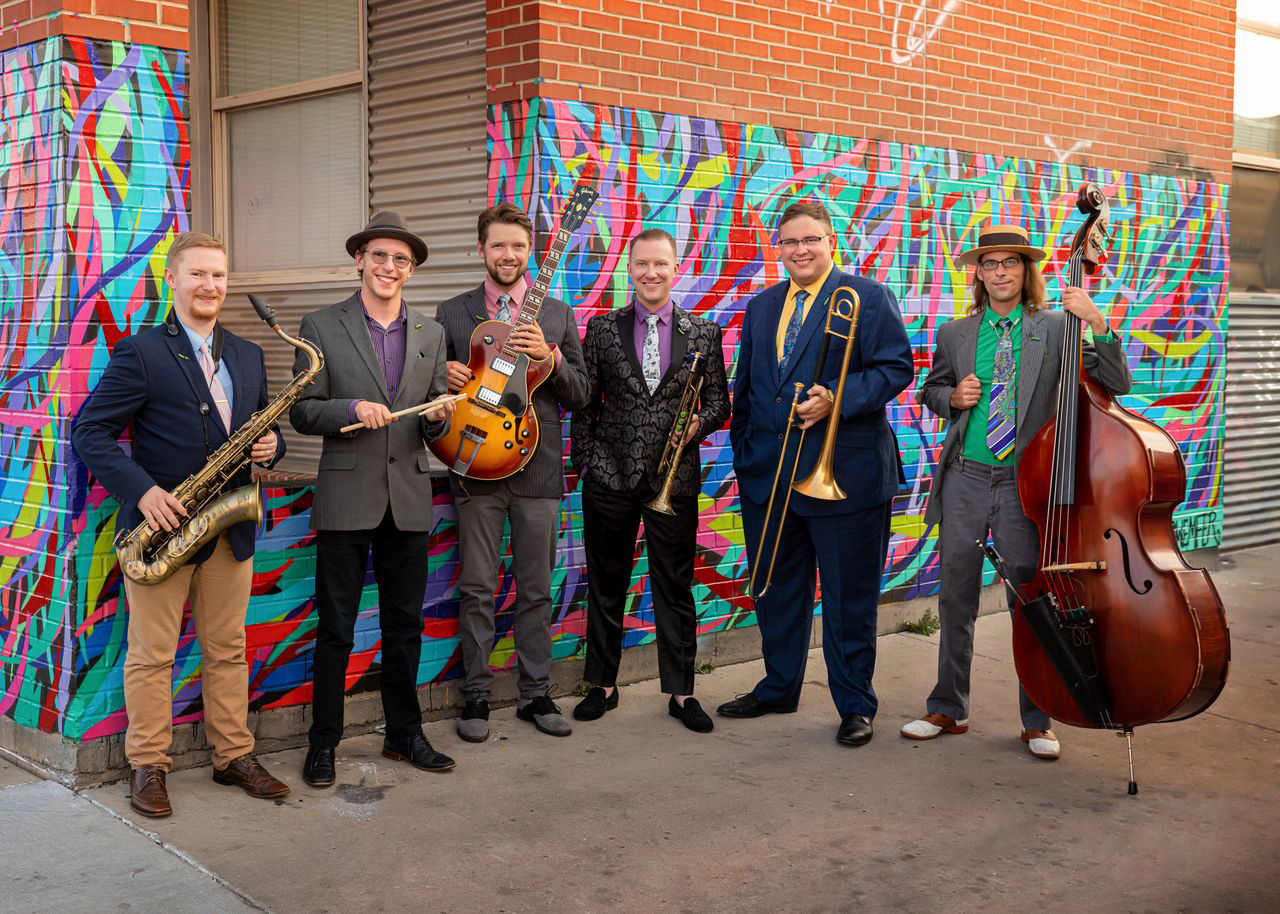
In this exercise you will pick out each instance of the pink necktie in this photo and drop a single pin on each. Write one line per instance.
(215, 387)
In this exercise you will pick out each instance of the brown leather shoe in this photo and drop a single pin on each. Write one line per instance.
(247, 772)
(147, 793)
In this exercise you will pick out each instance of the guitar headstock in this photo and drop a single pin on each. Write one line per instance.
(579, 208)
(1093, 238)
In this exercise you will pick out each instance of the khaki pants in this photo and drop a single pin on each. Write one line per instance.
(219, 592)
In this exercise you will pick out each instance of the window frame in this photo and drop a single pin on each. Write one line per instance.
(1255, 158)
(220, 107)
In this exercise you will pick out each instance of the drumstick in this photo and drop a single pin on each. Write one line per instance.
(411, 410)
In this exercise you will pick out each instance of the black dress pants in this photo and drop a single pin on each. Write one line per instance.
(610, 521)
(400, 570)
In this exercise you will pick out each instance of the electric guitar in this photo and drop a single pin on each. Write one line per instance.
(494, 431)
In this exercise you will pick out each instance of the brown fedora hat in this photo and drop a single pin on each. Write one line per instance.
(387, 224)
(1003, 238)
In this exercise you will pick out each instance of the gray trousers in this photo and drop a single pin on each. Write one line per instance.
(977, 499)
(481, 519)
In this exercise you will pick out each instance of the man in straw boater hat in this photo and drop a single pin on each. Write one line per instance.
(994, 378)
(373, 493)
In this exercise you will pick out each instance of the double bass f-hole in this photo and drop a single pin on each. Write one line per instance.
(1124, 554)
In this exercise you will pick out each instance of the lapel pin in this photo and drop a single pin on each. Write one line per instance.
(417, 326)
(183, 357)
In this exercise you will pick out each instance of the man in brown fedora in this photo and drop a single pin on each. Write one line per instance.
(374, 490)
(994, 379)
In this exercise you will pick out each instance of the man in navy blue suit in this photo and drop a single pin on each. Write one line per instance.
(182, 388)
(847, 539)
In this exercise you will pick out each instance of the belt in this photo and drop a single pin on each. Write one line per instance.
(986, 469)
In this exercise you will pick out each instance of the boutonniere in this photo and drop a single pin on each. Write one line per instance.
(478, 318)
(417, 326)
(1034, 338)
(683, 325)
(183, 357)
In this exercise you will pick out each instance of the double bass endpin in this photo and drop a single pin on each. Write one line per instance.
(1133, 784)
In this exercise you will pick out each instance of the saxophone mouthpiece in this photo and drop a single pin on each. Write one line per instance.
(265, 311)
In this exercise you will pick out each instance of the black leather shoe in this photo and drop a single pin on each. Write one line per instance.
(595, 704)
(417, 752)
(690, 714)
(855, 730)
(318, 770)
(750, 706)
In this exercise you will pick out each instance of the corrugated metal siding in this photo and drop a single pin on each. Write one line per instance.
(427, 132)
(1252, 485)
(427, 160)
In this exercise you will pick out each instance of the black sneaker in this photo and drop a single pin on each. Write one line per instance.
(595, 704)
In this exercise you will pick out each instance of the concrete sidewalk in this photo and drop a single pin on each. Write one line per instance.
(635, 814)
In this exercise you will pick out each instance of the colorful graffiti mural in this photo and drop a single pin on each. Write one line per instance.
(94, 176)
(903, 214)
(96, 132)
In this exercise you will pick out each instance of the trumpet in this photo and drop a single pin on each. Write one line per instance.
(674, 449)
(821, 483)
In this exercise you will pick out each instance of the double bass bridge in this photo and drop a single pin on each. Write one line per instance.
(1069, 567)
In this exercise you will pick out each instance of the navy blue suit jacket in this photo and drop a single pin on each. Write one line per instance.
(154, 383)
(867, 464)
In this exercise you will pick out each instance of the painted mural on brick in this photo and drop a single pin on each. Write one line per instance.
(903, 214)
(93, 183)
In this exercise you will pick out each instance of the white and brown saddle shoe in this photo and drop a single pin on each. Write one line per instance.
(933, 725)
(1042, 744)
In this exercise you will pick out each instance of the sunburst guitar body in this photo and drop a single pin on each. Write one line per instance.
(494, 431)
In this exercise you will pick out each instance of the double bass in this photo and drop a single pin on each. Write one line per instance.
(1115, 630)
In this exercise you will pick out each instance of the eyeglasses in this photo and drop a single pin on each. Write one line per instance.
(790, 244)
(379, 256)
(989, 266)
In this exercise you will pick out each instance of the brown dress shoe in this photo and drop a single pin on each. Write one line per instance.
(147, 793)
(247, 772)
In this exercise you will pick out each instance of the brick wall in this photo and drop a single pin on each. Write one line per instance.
(1141, 86)
(160, 23)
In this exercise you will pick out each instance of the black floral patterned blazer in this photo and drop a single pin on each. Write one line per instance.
(619, 435)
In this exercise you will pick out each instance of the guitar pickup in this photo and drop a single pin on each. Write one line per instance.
(503, 366)
(488, 397)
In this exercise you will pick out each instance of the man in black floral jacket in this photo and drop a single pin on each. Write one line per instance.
(638, 364)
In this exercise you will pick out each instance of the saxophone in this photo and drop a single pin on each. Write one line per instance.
(150, 556)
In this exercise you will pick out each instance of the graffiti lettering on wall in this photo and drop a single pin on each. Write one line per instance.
(915, 22)
(1198, 529)
(93, 183)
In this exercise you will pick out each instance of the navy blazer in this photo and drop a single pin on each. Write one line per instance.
(154, 383)
(867, 464)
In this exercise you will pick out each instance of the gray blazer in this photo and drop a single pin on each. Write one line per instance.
(954, 358)
(362, 472)
(543, 475)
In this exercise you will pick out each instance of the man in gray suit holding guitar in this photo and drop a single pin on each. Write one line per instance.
(529, 497)
(374, 488)
(994, 378)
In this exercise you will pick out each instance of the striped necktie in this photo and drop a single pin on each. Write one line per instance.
(215, 387)
(1002, 420)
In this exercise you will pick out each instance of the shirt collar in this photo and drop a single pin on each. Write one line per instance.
(517, 292)
(1015, 315)
(400, 318)
(664, 313)
(197, 340)
(814, 287)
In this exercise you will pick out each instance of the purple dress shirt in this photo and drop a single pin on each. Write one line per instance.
(389, 349)
(664, 333)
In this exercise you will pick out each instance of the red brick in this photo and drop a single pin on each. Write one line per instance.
(159, 37)
(174, 15)
(133, 10)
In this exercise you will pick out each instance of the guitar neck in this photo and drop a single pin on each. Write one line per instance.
(542, 283)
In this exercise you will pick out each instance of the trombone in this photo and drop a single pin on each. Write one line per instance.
(821, 483)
